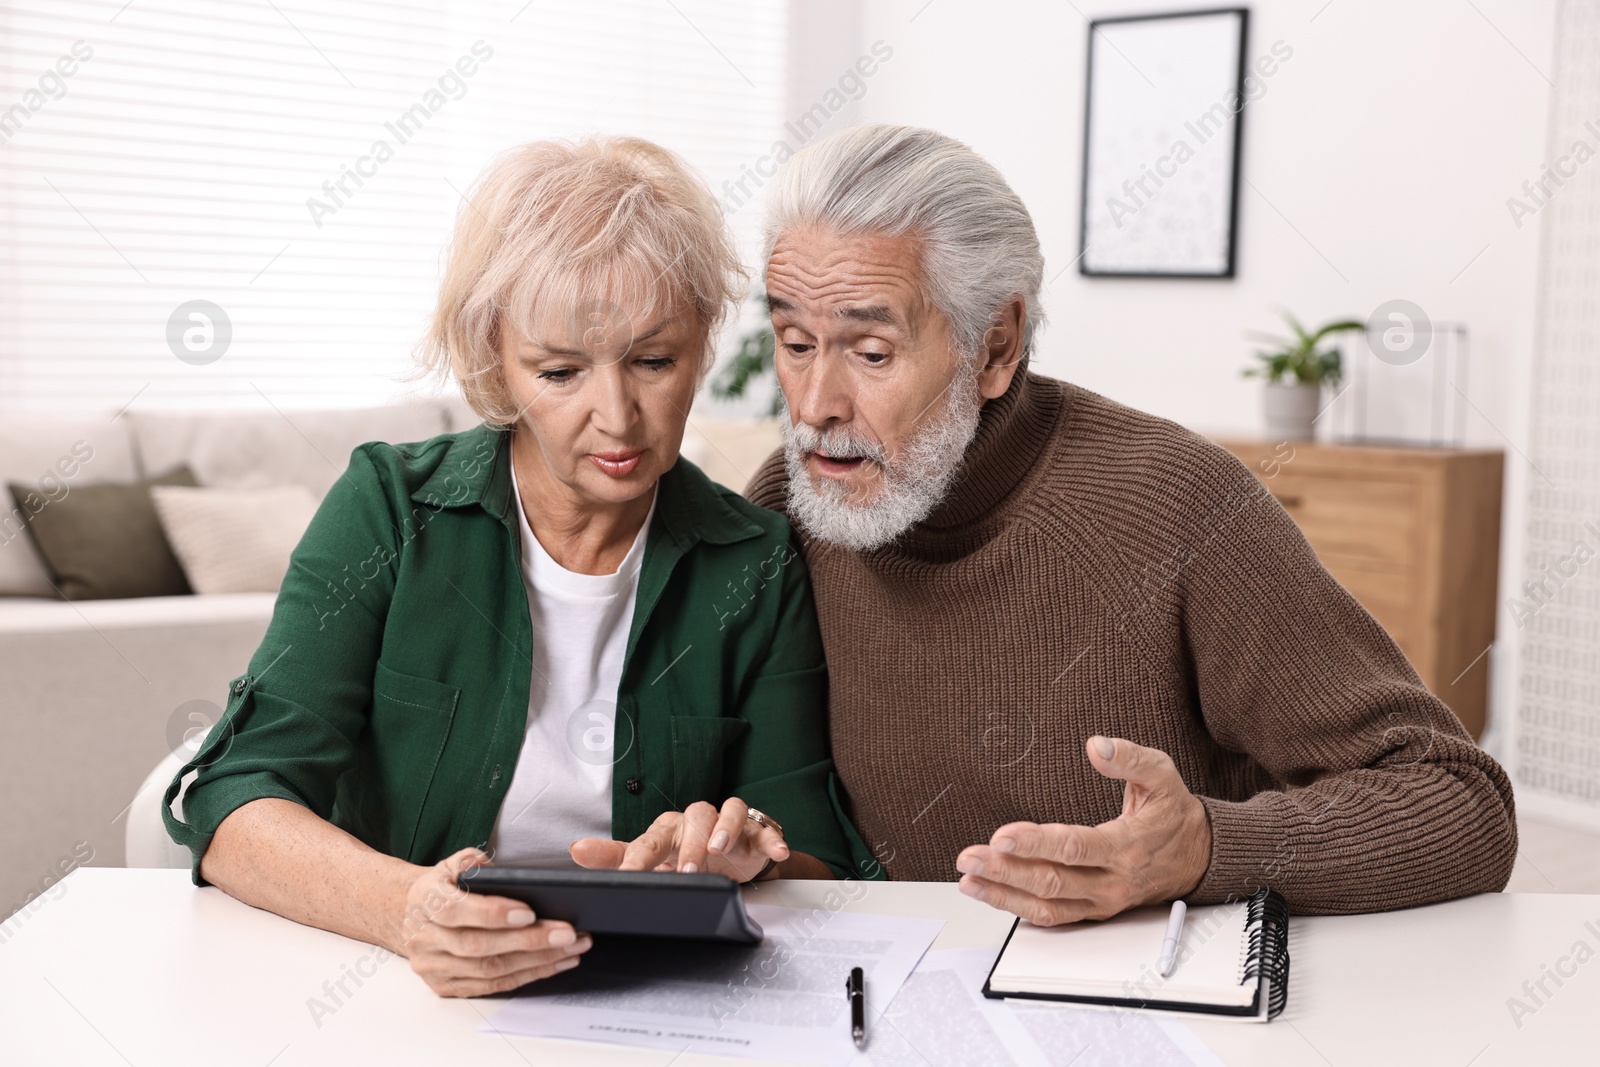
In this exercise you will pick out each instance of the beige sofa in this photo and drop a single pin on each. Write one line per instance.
(93, 694)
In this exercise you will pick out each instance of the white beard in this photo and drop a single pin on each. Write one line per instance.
(911, 487)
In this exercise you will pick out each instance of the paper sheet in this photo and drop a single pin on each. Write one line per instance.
(942, 1019)
(782, 1000)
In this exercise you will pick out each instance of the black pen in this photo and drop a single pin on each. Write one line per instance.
(858, 1006)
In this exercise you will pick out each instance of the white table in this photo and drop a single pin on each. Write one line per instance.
(139, 967)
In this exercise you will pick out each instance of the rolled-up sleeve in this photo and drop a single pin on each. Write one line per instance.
(292, 719)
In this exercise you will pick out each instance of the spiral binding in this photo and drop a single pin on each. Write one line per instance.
(1267, 952)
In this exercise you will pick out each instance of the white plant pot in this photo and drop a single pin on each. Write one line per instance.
(1290, 410)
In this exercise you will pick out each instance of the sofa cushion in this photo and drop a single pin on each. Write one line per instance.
(104, 541)
(255, 450)
(234, 540)
(52, 456)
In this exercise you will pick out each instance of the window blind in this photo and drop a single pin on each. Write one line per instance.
(230, 203)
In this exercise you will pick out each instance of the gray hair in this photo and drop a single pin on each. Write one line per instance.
(980, 248)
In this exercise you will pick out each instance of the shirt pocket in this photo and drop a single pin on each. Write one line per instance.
(700, 745)
(411, 718)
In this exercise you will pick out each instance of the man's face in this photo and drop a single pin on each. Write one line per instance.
(863, 358)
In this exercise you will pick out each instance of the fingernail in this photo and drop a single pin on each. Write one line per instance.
(969, 865)
(519, 917)
(719, 841)
(567, 964)
(582, 946)
(562, 936)
(971, 889)
(1005, 844)
(1105, 747)
(690, 868)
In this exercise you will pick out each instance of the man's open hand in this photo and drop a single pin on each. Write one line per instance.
(1158, 849)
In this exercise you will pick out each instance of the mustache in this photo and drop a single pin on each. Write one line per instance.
(838, 443)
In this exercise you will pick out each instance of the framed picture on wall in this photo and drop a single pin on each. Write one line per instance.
(1163, 105)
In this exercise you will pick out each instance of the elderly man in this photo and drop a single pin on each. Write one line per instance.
(1077, 653)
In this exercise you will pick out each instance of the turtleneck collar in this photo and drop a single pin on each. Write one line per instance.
(1013, 430)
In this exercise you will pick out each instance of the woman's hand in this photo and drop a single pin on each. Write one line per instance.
(699, 839)
(468, 945)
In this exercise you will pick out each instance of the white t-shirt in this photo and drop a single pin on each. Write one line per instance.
(561, 788)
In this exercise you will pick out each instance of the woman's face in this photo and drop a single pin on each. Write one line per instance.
(604, 395)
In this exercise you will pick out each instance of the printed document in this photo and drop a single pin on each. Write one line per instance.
(942, 1019)
(783, 999)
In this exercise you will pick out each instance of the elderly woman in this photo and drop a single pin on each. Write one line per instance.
(546, 638)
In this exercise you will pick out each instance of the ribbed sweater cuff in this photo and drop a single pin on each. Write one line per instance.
(1247, 852)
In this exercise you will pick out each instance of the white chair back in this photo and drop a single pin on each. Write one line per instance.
(147, 841)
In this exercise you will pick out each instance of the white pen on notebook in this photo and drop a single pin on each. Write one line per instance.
(1169, 946)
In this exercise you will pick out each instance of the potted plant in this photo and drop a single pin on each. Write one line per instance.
(751, 362)
(1295, 370)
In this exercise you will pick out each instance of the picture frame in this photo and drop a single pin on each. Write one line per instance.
(1164, 102)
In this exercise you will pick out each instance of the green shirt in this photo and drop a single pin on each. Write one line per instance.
(390, 693)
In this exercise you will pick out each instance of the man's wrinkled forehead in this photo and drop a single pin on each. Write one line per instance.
(861, 280)
(879, 313)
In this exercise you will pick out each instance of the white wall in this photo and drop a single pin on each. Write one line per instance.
(1384, 151)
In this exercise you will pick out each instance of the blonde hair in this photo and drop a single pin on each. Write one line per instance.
(591, 227)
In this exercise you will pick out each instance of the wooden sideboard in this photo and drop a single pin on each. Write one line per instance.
(1414, 535)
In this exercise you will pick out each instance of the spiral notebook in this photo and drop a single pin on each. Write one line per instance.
(1233, 960)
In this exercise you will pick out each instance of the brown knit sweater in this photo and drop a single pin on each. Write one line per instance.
(1100, 570)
